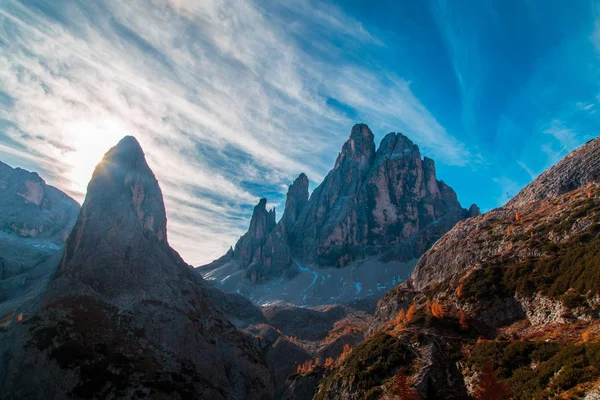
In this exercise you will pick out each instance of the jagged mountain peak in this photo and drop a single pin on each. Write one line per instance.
(373, 202)
(120, 289)
(121, 231)
(124, 186)
(579, 168)
(360, 147)
(258, 220)
(296, 199)
(397, 145)
(302, 179)
(361, 132)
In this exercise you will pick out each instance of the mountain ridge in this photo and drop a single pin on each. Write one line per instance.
(383, 204)
(513, 288)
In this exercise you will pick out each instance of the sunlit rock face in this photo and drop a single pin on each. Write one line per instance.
(125, 316)
(373, 202)
(579, 168)
(381, 202)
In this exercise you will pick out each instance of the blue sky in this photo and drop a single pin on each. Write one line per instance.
(232, 99)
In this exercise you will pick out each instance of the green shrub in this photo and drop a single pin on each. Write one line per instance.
(369, 365)
(560, 366)
(569, 274)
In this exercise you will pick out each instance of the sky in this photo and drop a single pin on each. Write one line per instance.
(232, 99)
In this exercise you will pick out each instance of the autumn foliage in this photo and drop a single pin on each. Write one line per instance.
(586, 336)
(410, 314)
(342, 330)
(401, 317)
(462, 321)
(305, 368)
(437, 310)
(401, 389)
(329, 363)
(345, 352)
(292, 339)
(489, 388)
(460, 290)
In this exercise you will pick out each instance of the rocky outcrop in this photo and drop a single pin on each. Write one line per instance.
(382, 201)
(491, 295)
(576, 170)
(475, 243)
(393, 199)
(32, 209)
(125, 316)
(35, 220)
(274, 258)
(249, 247)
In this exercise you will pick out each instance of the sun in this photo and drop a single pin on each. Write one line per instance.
(90, 139)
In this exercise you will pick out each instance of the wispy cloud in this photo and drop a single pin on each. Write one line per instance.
(229, 99)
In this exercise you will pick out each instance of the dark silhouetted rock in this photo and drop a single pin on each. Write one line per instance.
(275, 257)
(249, 247)
(35, 220)
(125, 316)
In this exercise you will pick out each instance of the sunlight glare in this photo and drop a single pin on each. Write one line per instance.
(91, 139)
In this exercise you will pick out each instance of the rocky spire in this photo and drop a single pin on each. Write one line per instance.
(371, 202)
(357, 153)
(122, 190)
(274, 258)
(261, 225)
(295, 202)
(474, 211)
(121, 289)
(120, 237)
(325, 224)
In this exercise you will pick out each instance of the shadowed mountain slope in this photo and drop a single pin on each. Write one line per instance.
(125, 316)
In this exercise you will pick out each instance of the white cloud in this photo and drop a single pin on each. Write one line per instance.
(221, 95)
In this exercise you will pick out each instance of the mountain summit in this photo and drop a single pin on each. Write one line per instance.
(119, 246)
(380, 204)
(125, 316)
(504, 305)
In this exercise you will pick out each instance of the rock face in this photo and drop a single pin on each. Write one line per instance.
(125, 316)
(495, 292)
(274, 258)
(579, 169)
(35, 220)
(374, 202)
(249, 248)
(32, 209)
(576, 170)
